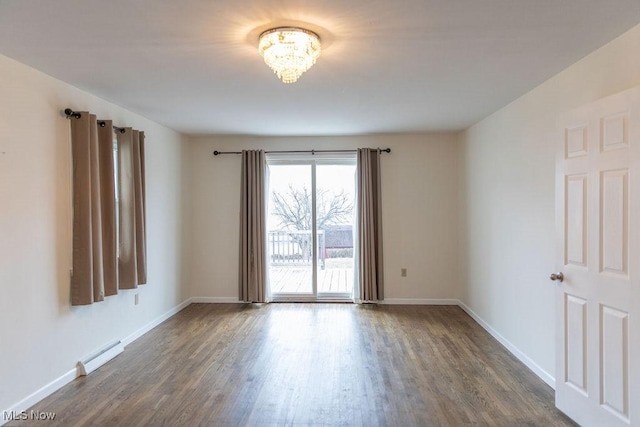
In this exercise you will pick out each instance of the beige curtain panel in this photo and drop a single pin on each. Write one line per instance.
(370, 277)
(132, 264)
(253, 272)
(94, 269)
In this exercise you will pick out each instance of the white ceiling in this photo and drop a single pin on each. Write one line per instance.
(386, 66)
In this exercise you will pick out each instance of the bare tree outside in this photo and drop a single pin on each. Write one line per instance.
(293, 208)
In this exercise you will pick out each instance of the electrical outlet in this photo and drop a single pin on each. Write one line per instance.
(403, 272)
(136, 299)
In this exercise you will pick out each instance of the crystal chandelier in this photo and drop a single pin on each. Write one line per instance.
(289, 51)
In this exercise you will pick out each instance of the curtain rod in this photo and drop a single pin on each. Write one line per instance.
(102, 124)
(313, 152)
(70, 113)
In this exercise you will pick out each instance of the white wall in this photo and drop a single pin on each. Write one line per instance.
(420, 211)
(41, 335)
(508, 166)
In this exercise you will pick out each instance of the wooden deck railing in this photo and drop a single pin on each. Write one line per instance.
(289, 248)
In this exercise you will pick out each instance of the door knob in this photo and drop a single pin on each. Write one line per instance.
(557, 276)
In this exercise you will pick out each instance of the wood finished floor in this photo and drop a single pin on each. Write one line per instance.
(309, 364)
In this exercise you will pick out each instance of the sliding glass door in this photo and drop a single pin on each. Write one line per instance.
(335, 218)
(310, 225)
(289, 230)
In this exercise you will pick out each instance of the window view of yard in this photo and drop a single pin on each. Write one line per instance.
(290, 228)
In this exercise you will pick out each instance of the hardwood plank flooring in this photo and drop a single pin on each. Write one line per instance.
(309, 364)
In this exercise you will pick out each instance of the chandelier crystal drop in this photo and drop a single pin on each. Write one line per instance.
(289, 51)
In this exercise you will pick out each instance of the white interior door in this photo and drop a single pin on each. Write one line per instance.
(598, 302)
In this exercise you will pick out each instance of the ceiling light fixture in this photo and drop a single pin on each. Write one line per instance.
(289, 51)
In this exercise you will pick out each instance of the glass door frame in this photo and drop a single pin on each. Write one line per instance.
(313, 161)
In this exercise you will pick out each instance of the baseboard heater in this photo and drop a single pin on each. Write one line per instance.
(93, 362)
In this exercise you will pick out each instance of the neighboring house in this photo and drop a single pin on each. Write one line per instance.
(338, 241)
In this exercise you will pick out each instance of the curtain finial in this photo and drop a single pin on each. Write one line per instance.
(70, 113)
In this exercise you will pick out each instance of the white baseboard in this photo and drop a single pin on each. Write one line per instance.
(544, 375)
(215, 300)
(36, 397)
(155, 322)
(389, 301)
(65, 379)
(419, 301)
